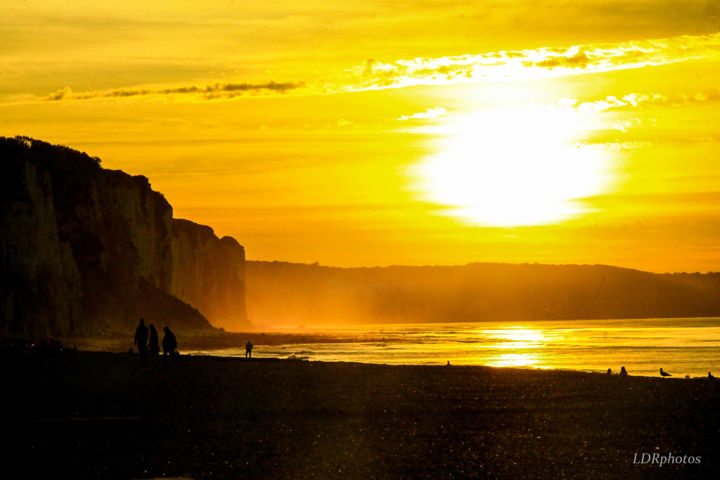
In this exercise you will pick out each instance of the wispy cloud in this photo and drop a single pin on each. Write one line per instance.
(633, 100)
(426, 115)
(209, 92)
(472, 68)
(535, 63)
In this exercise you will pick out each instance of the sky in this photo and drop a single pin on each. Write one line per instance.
(395, 132)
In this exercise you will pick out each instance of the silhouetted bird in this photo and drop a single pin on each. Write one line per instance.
(710, 375)
(664, 373)
(623, 372)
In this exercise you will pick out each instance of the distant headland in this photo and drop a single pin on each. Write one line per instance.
(313, 294)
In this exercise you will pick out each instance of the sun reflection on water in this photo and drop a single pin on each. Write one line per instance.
(519, 334)
(685, 346)
(514, 360)
(518, 339)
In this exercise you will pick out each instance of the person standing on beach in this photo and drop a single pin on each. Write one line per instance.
(169, 343)
(141, 337)
(154, 344)
(248, 349)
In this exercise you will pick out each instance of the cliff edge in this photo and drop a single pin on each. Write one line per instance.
(87, 251)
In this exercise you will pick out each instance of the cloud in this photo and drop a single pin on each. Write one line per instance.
(577, 60)
(624, 125)
(612, 102)
(534, 63)
(210, 92)
(633, 100)
(426, 115)
(60, 94)
(472, 68)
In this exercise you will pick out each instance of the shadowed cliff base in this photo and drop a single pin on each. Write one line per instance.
(91, 415)
(86, 251)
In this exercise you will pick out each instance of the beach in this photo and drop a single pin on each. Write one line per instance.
(102, 415)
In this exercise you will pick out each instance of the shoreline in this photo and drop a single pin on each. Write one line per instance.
(202, 346)
(614, 374)
(682, 348)
(219, 417)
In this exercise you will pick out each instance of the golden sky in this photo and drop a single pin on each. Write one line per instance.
(395, 132)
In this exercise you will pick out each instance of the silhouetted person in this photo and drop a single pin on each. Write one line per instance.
(664, 373)
(710, 375)
(169, 343)
(141, 337)
(154, 345)
(609, 372)
(623, 372)
(248, 349)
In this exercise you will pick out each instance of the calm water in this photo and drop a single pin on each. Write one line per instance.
(682, 346)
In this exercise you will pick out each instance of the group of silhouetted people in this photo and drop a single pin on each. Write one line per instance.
(143, 334)
(623, 372)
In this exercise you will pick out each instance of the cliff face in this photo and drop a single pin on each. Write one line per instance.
(208, 273)
(86, 250)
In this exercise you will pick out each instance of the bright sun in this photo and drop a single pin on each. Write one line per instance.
(514, 167)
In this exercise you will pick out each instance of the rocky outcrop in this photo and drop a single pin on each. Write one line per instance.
(86, 250)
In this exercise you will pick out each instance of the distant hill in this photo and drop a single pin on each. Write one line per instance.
(87, 251)
(296, 294)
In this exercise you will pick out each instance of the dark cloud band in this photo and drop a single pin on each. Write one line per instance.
(217, 90)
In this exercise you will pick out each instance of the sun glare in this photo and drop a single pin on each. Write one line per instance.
(506, 168)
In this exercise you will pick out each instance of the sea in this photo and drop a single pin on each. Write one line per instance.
(681, 346)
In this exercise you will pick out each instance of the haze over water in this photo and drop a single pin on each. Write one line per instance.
(682, 346)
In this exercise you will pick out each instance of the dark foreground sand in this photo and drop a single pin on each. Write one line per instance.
(99, 415)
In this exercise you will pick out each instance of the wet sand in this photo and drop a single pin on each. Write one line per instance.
(101, 415)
